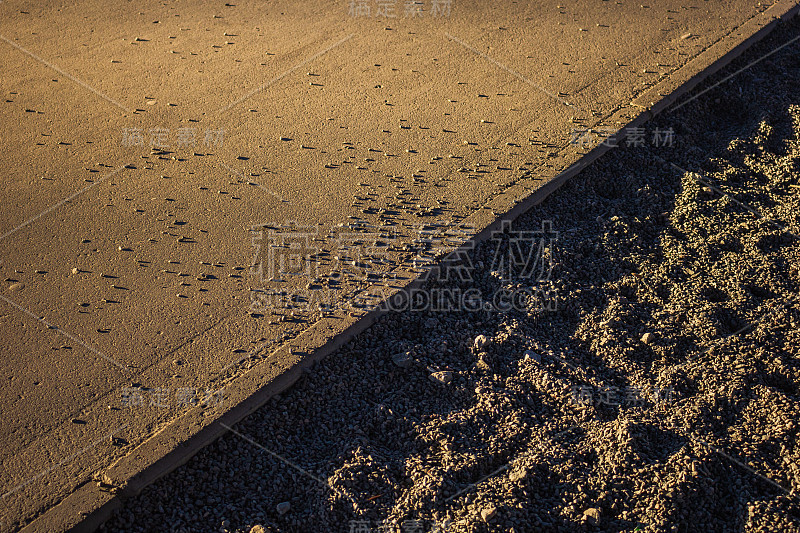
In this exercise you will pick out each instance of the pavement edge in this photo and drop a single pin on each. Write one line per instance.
(92, 503)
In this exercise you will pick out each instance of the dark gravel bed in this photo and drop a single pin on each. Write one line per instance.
(659, 394)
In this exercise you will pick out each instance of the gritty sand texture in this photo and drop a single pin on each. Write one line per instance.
(676, 271)
(154, 156)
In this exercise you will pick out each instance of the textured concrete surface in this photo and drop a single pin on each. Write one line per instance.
(180, 182)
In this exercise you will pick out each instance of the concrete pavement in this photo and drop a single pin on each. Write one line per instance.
(200, 199)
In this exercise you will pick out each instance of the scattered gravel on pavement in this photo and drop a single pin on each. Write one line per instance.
(660, 395)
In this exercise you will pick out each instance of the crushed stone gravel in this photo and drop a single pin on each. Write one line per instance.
(661, 394)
